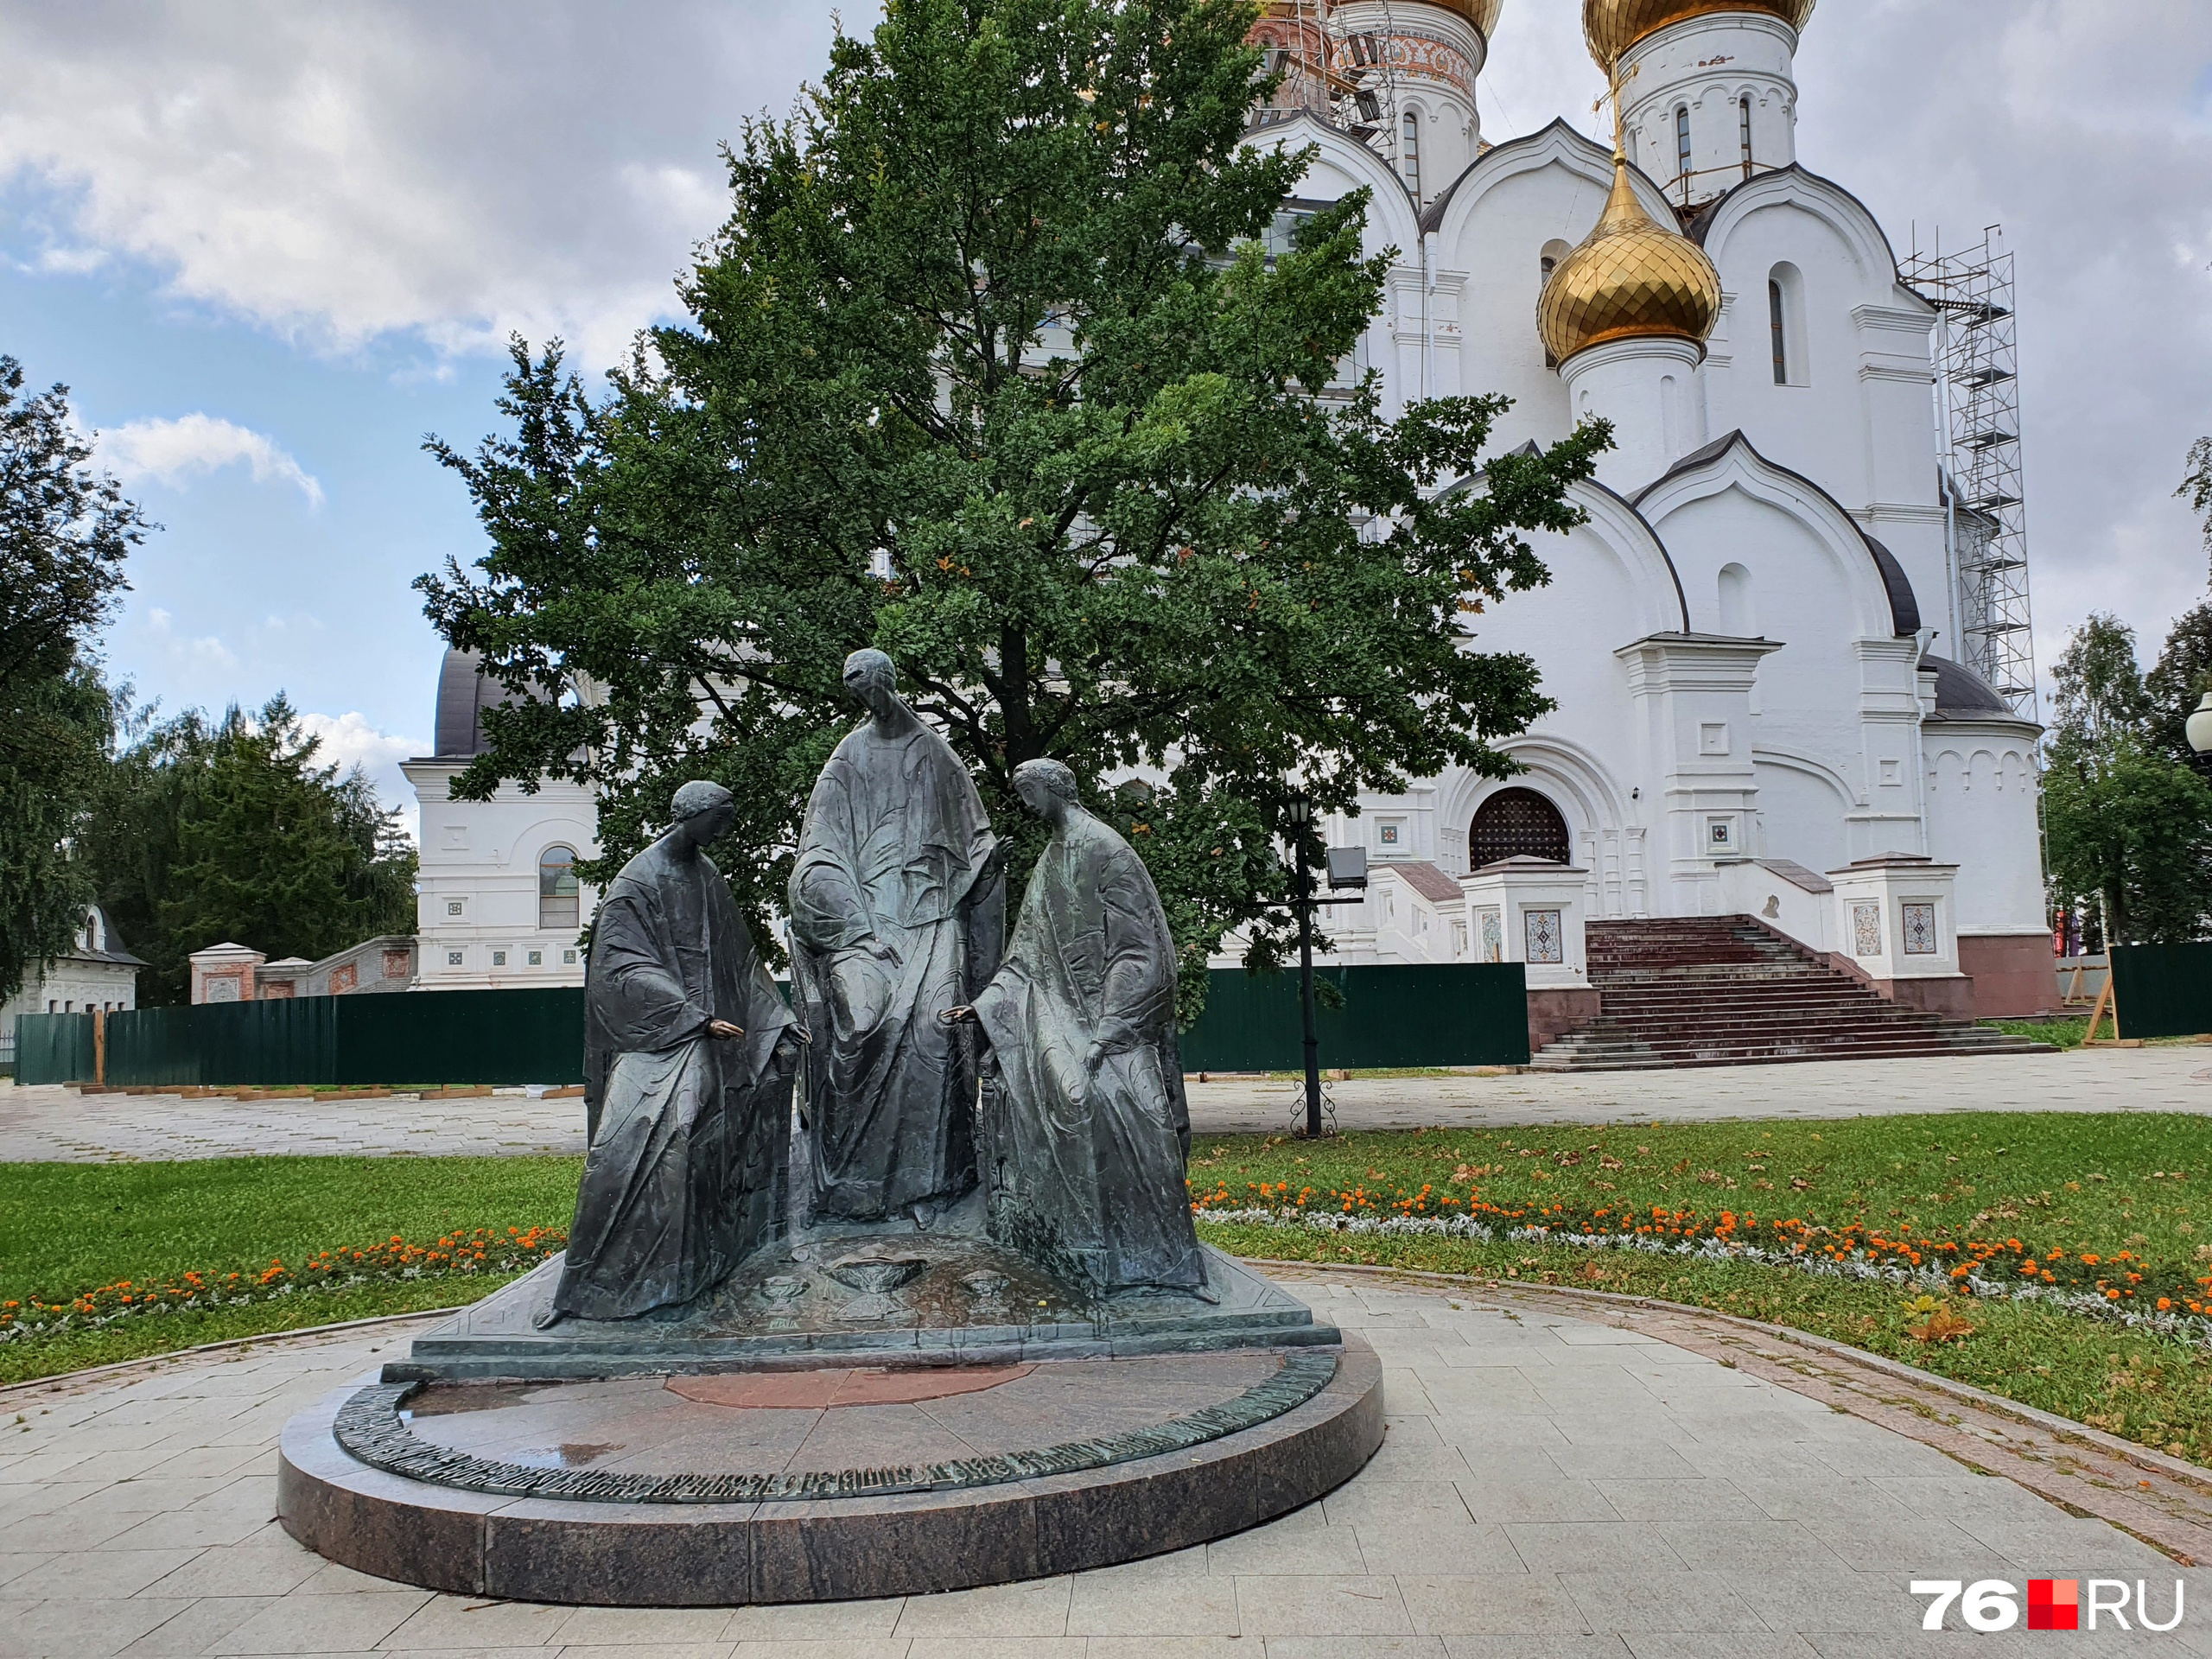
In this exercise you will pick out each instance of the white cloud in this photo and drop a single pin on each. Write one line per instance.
(172, 452)
(346, 171)
(213, 653)
(350, 741)
(71, 262)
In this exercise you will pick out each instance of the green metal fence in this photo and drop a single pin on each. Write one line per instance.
(427, 1037)
(1469, 1014)
(53, 1047)
(1397, 1016)
(2163, 990)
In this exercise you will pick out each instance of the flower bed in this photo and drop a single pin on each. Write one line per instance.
(2119, 1286)
(481, 1250)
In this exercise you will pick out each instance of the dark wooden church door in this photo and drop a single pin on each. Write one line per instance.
(1514, 822)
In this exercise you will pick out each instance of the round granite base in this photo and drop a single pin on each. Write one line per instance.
(662, 1492)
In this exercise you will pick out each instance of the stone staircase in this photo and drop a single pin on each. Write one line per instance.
(1722, 990)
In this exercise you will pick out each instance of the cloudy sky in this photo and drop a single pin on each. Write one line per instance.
(271, 246)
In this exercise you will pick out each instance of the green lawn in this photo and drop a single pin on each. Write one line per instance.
(66, 1228)
(2076, 1181)
(2146, 1387)
(2059, 1033)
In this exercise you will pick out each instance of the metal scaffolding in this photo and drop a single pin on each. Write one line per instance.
(1347, 78)
(1975, 347)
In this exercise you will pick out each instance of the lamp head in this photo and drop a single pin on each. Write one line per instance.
(2199, 726)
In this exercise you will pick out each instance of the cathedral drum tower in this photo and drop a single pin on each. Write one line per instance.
(1705, 88)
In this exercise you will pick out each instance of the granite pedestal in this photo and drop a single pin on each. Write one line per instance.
(821, 1482)
(869, 1297)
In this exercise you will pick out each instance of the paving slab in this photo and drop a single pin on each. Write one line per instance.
(1474, 1533)
(49, 1123)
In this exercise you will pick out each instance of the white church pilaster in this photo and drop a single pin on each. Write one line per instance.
(1893, 781)
(1692, 698)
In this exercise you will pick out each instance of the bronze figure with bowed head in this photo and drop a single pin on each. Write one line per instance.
(1094, 1134)
(689, 1057)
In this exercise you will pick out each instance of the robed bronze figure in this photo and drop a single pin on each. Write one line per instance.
(1092, 1135)
(689, 1057)
(897, 915)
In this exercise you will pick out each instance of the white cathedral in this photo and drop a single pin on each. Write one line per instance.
(1751, 641)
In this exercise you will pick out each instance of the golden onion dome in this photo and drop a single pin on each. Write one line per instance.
(1631, 276)
(1611, 27)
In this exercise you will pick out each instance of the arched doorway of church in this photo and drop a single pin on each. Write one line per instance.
(1516, 823)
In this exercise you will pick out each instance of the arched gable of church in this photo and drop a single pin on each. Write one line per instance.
(1491, 232)
(1727, 504)
(1856, 231)
(1835, 601)
(1822, 350)
(1341, 164)
(1611, 583)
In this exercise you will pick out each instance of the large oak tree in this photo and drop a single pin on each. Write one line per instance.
(989, 367)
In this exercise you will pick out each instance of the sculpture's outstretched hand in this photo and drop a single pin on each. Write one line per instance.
(723, 1030)
(964, 1014)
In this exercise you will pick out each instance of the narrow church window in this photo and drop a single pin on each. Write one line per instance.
(1744, 109)
(1409, 155)
(1775, 326)
(558, 902)
(1739, 616)
(1547, 261)
(1682, 143)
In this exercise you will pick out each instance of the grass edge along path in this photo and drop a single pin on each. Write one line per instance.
(2161, 1500)
(134, 1319)
(2137, 1383)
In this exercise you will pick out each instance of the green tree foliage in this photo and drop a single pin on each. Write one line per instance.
(2127, 826)
(63, 533)
(2178, 683)
(204, 832)
(990, 367)
(2196, 485)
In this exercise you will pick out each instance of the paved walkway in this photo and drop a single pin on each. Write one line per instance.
(55, 1124)
(1551, 1486)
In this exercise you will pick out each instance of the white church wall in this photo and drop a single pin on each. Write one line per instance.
(1804, 698)
(1813, 422)
(1545, 191)
(1699, 74)
(1981, 795)
(1803, 805)
(478, 903)
(1856, 412)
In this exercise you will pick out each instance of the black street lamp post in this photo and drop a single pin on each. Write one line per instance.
(2199, 728)
(1347, 869)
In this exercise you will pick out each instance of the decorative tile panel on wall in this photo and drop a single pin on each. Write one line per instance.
(1493, 937)
(1867, 930)
(1920, 931)
(1546, 939)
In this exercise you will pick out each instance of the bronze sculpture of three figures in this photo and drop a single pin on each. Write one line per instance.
(909, 1006)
